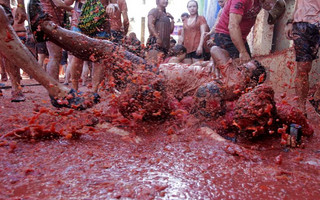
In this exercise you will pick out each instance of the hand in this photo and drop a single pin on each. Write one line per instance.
(20, 15)
(288, 31)
(111, 8)
(207, 34)
(244, 57)
(170, 16)
(199, 51)
(210, 43)
(159, 41)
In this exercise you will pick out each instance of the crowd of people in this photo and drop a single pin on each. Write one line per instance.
(199, 65)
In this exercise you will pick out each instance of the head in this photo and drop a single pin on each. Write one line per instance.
(172, 43)
(221, 3)
(193, 7)
(267, 4)
(184, 16)
(254, 72)
(255, 111)
(162, 3)
(208, 99)
(146, 96)
(179, 51)
(132, 35)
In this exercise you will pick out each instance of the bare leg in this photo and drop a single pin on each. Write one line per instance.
(55, 54)
(41, 58)
(68, 71)
(76, 69)
(220, 56)
(85, 72)
(4, 76)
(98, 74)
(24, 59)
(14, 73)
(302, 83)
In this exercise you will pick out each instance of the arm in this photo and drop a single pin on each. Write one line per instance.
(125, 18)
(69, 2)
(62, 4)
(152, 28)
(203, 28)
(181, 38)
(213, 29)
(288, 28)
(125, 22)
(111, 6)
(20, 14)
(172, 22)
(277, 11)
(236, 36)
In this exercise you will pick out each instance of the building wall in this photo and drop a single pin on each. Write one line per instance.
(269, 45)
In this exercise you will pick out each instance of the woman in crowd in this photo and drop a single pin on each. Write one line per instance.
(161, 25)
(194, 27)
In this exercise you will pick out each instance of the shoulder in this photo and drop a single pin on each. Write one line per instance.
(122, 4)
(241, 4)
(202, 19)
(153, 11)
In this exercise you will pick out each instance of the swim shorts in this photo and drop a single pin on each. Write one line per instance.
(225, 42)
(98, 35)
(306, 41)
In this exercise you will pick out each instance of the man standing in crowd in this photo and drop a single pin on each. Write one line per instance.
(235, 23)
(119, 28)
(303, 28)
(19, 18)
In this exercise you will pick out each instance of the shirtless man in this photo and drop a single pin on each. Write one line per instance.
(13, 70)
(304, 29)
(95, 50)
(14, 48)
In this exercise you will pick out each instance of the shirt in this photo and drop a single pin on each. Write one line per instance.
(307, 11)
(192, 33)
(248, 9)
(162, 26)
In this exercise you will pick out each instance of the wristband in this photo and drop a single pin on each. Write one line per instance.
(20, 5)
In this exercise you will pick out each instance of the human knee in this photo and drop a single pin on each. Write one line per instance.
(303, 68)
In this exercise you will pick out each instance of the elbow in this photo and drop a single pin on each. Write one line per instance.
(231, 26)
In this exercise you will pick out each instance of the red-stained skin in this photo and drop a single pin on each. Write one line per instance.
(48, 153)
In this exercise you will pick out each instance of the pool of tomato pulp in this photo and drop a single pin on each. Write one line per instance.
(91, 156)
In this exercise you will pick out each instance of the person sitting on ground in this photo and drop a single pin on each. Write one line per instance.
(179, 53)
